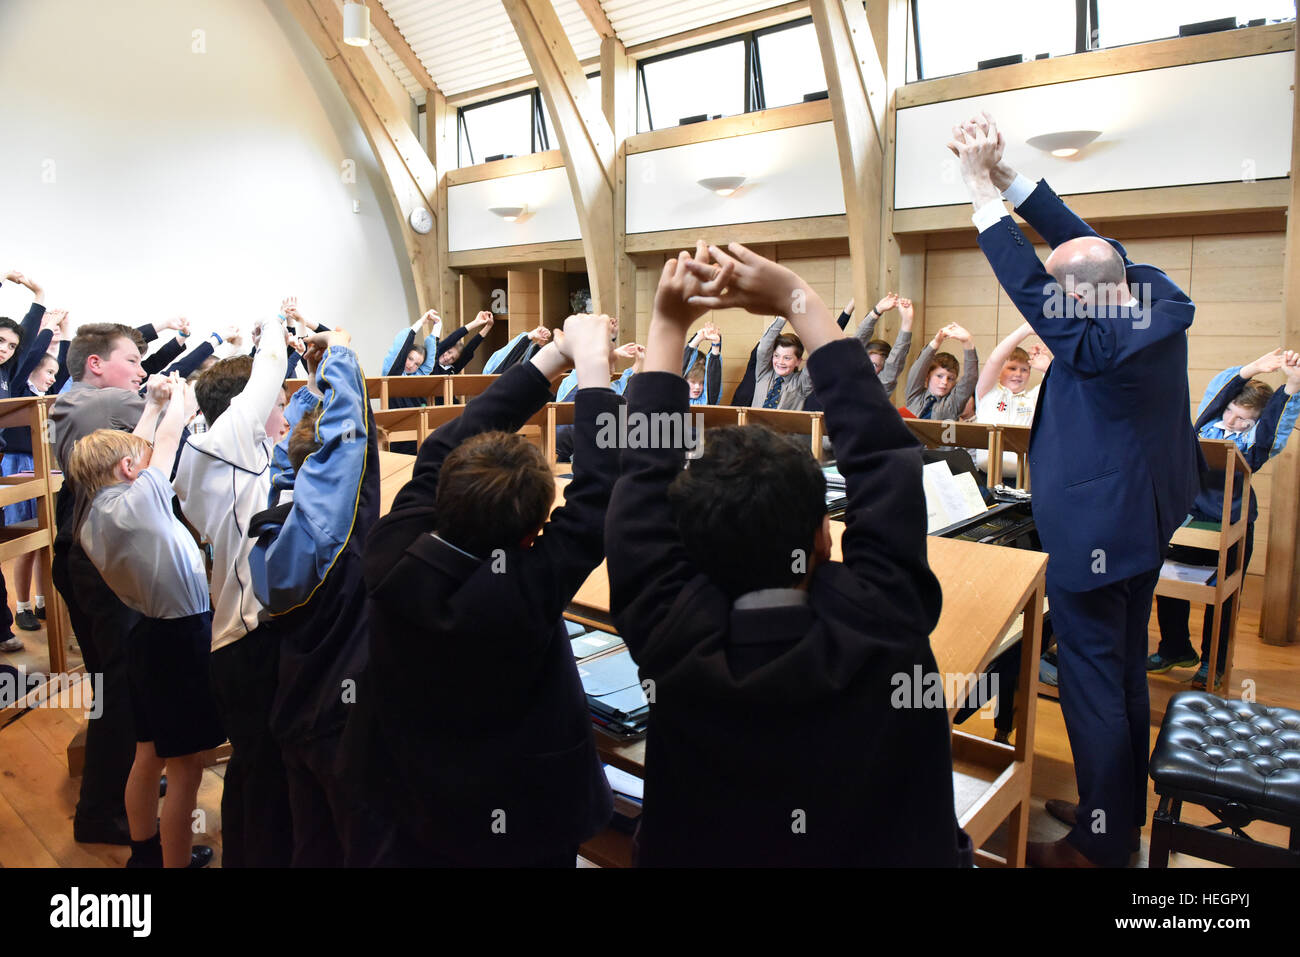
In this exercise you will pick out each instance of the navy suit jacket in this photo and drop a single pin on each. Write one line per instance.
(1114, 458)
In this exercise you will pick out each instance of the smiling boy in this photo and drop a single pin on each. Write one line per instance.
(937, 387)
(782, 382)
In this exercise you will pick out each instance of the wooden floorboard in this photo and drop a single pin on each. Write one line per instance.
(37, 798)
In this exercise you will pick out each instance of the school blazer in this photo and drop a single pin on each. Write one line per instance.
(471, 734)
(774, 739)
(1113, 454)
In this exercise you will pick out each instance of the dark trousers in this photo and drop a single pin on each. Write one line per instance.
(256, 823)
(101, 624)
(319, 814)
(1101, 640)
(1172, 613)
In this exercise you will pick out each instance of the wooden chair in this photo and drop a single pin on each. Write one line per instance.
(1221, 455)
(40, 485)
(465, 387)
(403, 425)
(978, 436)
(1015, 439)
(557, 414)
(790, 421)
(427, 388)
(716, 416)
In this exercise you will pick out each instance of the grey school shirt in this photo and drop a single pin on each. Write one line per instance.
(77, 412)
(142, 550)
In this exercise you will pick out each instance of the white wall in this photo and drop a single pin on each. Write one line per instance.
(1215, 122)
(792, 173)
(551, 217)
(205, 184)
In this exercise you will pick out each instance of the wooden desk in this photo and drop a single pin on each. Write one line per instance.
(987, 590)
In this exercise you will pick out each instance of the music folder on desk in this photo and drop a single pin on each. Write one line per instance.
(614, 694)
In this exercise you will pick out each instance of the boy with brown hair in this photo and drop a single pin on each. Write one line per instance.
(104, 362)
(937, 388)
(153, 565)
(1246, 410)
(764, 655)
(466, 575)
(781, 381)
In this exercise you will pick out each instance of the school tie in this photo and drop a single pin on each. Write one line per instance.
(926, 409)
(774, 394)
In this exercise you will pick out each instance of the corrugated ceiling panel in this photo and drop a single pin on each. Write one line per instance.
(471, 43)
(638, 21)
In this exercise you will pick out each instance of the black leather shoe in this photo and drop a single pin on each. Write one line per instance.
(27, 621)
(101, 832)
(200, 856)
(1067, 812)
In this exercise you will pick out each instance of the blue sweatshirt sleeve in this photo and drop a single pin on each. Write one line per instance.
(568, 385)
(326, 490)
(499, 356)
(395, 348)
(300, 403)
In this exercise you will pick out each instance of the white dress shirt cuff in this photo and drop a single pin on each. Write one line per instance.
(988, 214)
(1019, 190)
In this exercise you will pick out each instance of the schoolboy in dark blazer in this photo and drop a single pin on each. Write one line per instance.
(774, 738)
(471, 741)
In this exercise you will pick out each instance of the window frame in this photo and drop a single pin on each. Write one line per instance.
(1087, 35)
(539, 141)
(537, 128)
(755, 98)
(1083, 36)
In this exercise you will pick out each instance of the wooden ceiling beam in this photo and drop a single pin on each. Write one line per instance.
(599, 21)
(586, 138)
(409, 174)
(393, 37)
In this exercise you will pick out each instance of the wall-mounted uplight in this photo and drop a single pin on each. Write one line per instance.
(511, 214)
(356, 24)
(722, 185)
(1063, 144)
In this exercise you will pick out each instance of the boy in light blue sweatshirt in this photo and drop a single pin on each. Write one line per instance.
(1239, 407)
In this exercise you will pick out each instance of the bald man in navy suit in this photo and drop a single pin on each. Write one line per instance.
(1114, 461)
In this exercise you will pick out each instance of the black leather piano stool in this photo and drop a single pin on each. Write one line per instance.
(1238, 759)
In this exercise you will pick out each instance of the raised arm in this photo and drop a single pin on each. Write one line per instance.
(648, 564)
(1088, 344)
(180, 408)
(37, 291)
(893, 367)
(867, 327)
(767, 346)
(992, 370)
(916, 384)
(395, 361)
(31, 351)
(572, 542)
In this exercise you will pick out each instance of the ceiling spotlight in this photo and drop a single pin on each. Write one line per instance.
(722, 185)
(510, 214)
(1063, 144)
(356, 24)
